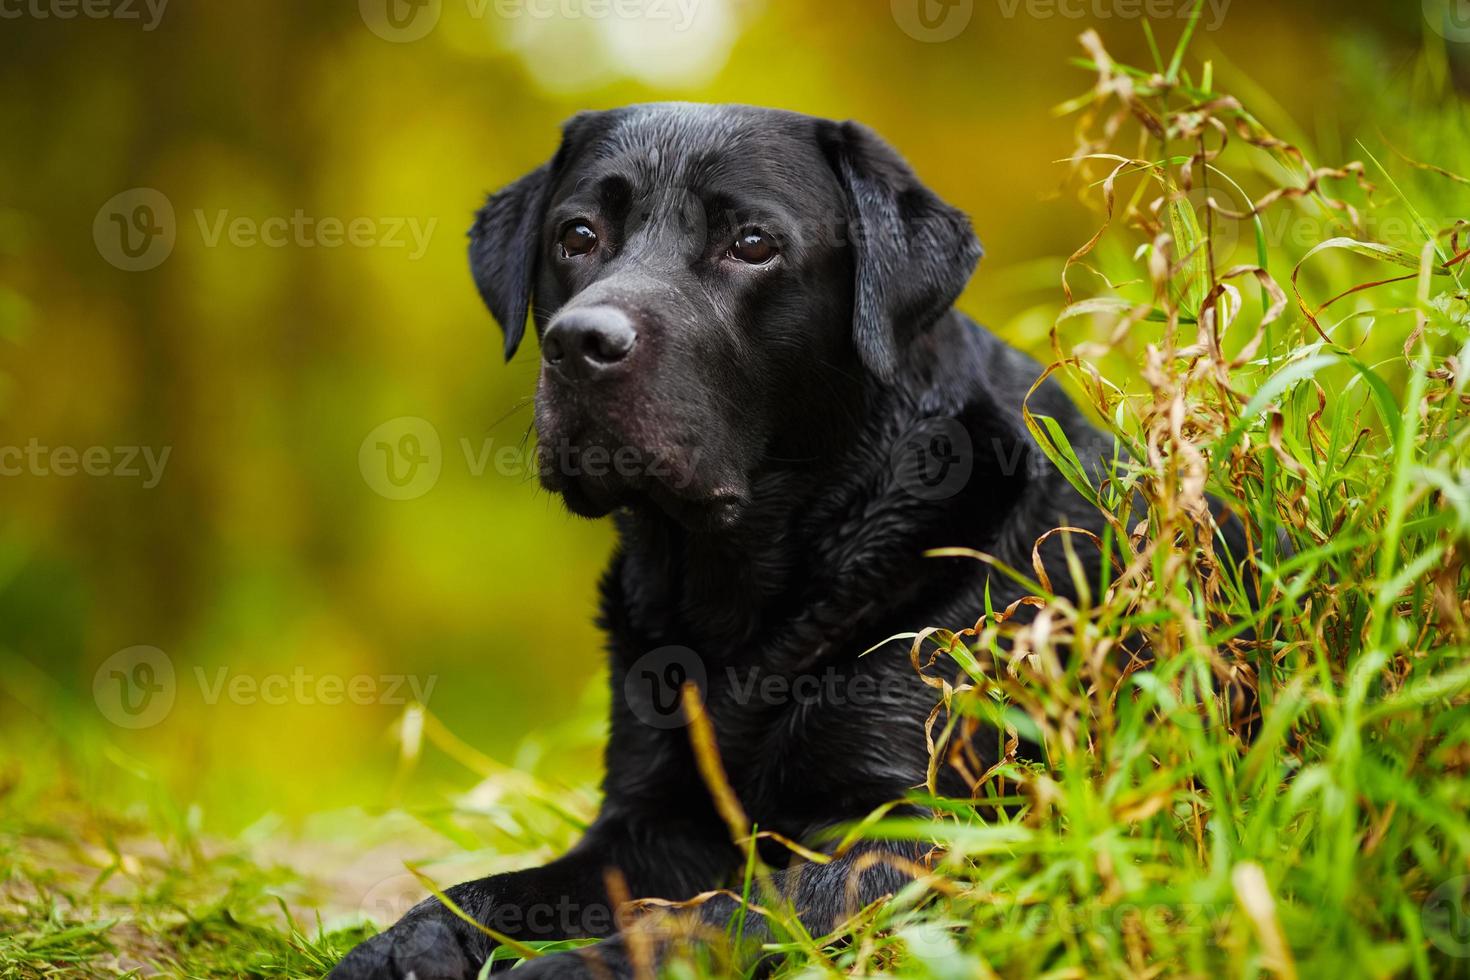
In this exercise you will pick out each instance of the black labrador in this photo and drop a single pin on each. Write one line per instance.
(751, 360)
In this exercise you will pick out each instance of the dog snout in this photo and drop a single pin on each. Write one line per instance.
(588, 342)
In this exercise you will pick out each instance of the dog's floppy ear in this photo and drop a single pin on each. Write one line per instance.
(913, 252)
(505, 240)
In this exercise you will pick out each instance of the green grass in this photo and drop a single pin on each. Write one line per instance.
(1254, 349)
(95, 894)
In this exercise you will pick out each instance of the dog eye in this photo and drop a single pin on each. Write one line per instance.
(754, 247)
(578, 239)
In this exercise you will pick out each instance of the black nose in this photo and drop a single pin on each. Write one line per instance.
(583, 343)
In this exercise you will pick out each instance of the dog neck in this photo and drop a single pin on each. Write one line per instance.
(821, 547)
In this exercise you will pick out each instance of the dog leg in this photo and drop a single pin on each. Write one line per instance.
(564, 899)
(823, 895)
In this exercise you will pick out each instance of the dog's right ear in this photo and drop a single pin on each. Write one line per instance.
(505, 240)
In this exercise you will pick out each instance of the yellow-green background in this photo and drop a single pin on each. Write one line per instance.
(263, 549)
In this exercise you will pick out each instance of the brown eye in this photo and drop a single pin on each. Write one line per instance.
(754, 247)
(578, 239)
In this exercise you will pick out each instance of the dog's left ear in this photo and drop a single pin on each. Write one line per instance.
(505, 240)
(913, 252)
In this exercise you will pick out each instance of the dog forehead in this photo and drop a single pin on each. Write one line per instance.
(698, 146)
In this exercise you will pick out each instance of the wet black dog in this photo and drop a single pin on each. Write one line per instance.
(751, 360)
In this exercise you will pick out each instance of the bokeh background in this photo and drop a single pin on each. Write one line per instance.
(269, 547)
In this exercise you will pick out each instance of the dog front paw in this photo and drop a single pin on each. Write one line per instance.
(423, 947)
(607, 960)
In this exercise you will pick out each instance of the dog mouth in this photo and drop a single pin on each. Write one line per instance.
(596, 473)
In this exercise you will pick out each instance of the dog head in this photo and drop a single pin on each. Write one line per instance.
(714, 288)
